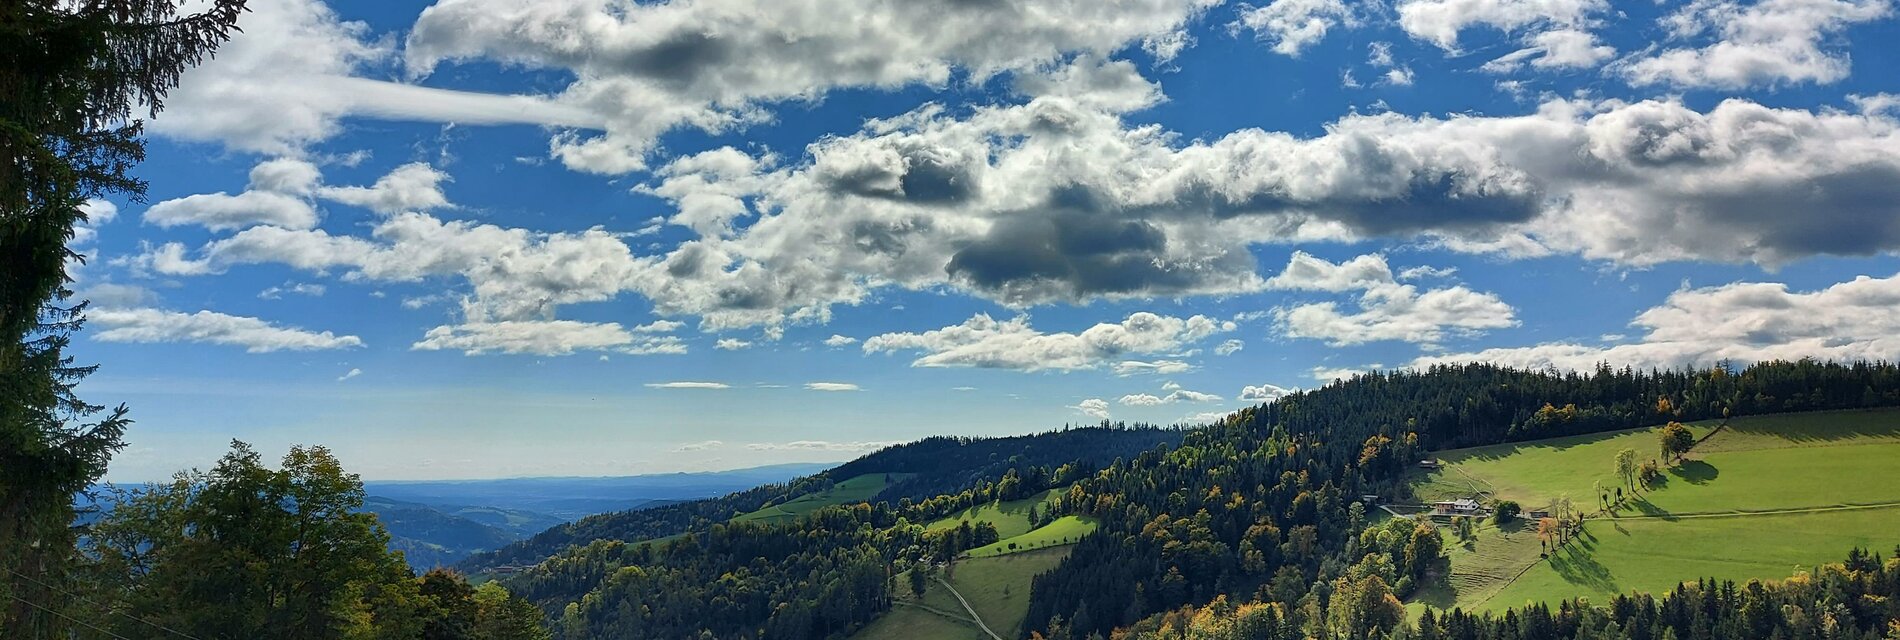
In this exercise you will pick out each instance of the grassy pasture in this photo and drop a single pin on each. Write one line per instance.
(1653, 555)
(857, 489)
(1761, 498)
(1062, 531)
(1010, 518)
(997, 587)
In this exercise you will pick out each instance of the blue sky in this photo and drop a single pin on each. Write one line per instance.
(488, 238)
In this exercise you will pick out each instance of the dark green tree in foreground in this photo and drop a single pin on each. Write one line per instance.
(249, 551)
(72, 76)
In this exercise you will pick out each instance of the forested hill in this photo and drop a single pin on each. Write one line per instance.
(1260, 508)
(929, 467)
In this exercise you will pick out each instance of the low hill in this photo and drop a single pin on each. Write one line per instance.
(572, 498)
(926, 468)
(1755, 499)
(430, 538)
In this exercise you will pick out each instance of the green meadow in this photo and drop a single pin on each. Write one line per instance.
(1065, 530)
(1010, 518)
(857, 489)
(997, 588)
(1761, 498)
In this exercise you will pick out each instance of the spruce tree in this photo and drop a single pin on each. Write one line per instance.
(73, 77)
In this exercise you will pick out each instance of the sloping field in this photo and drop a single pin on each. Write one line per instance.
(857, 489)
(996, 587)
(1761, 498)
(1010, 518)
(1065, 530)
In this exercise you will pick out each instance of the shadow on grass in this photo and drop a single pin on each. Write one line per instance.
(1822, 427)
(1577, 565)
(1643, 506)
(1695, 471)
(1499, 451)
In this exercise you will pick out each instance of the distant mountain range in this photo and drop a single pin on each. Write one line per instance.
(439, 522)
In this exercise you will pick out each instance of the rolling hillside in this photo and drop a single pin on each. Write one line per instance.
(1758, 499)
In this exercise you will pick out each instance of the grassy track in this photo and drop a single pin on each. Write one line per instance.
(1063, 531)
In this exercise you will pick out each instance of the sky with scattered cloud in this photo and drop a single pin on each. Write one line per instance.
(593, 237)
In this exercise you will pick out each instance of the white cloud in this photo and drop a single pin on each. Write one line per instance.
(1388, 310)
(1051, 202)
(285, 80)
(987, 343)
(1334, 374)
(688, 385)
(832, 386)
(1229, 348)
(1306, 272)
(731, 344)
(1264, 393)
(1765, 43)
(1441, 21)
(1096, 408)
(98, 213)
(840, 341)
(1557, 49)
(822, 445)
(1742, 322)
(209, 327)
(1158, 367)
(1204, 417)
(1293, 25)
(282, 192)
(545, 338)
(699, 446)
(296, 288)
(350, 374)
(1177, 395)
(716, 65)
(1426, 271)
(411, 187)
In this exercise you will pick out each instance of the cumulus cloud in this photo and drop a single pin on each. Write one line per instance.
(985, 342)
(1556, 49)
(147, 325)
(840, 341)
(1753, 44)
(1441, 21)
(1292, 25)
(1264, 393)
(832, 386)
(1741, 322)
(649, 68)
(688, 385)
(731, 344)
(292, 73)
(282, 194)
(1052, 202)
(1177, 395)
(1204, 417)
(1096, 408)
(1388, 310)
(97, 213)
(411, 187)
(544, 338)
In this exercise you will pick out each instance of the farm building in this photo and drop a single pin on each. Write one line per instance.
(1459, 507)
(1429, 464)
